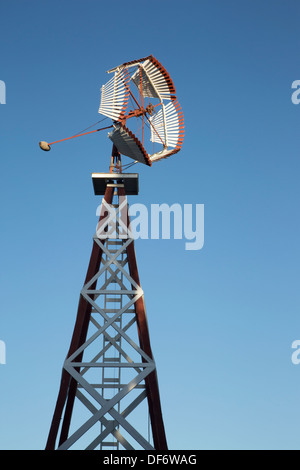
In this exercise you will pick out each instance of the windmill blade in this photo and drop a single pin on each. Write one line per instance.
(142, 81)
(165, 153)
(168, 125)
(115, 96)
(156, 81)
(127, 144)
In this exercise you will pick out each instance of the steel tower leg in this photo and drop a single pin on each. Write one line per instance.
(109, 370)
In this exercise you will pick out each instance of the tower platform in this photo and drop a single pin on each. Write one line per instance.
(128, 181)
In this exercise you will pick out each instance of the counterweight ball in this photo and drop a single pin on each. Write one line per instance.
(45, 146)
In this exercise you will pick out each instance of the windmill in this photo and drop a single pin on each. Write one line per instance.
(109, 371)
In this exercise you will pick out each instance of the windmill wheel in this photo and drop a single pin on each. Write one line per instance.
(141, 100)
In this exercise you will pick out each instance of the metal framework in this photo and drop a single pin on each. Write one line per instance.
(109, 373)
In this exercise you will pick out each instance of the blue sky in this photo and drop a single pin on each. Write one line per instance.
(222, 319)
